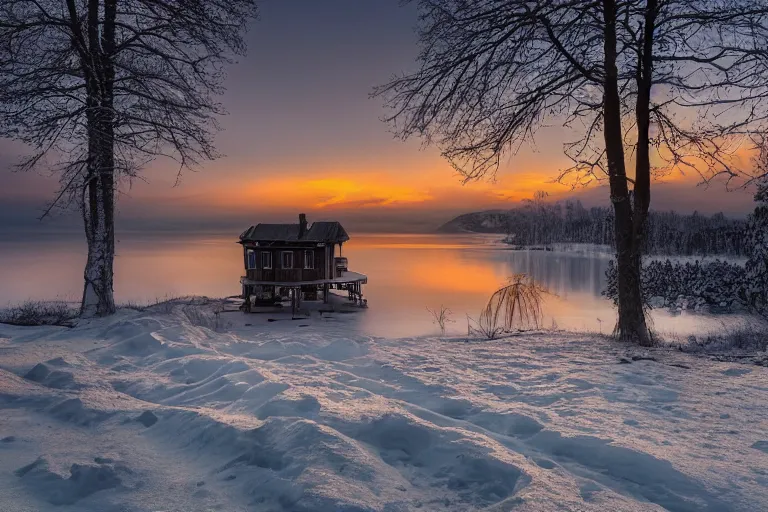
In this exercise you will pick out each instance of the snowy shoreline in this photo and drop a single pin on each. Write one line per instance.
(154, 410)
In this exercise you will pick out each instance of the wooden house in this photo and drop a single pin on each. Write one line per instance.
(297, 260)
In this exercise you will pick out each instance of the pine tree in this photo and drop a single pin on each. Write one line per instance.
(756, 241)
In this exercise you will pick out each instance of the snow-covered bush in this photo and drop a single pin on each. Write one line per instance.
(686, 285)
(750, 337)
(755, 291)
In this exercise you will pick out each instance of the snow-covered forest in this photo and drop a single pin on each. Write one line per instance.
(715, 285)
(669, 233)
(542, 223)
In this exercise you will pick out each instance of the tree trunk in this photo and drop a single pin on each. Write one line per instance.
(631, 324)
(98, 206)
(98, 216)
(98, 296)
(642, 189)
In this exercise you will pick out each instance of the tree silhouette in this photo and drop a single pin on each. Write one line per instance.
(98, 88)
(673, 85)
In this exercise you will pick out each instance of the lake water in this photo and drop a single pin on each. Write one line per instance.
(406, 274)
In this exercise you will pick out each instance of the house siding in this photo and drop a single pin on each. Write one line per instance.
(296, 274)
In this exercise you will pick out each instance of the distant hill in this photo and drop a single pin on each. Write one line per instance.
(488, 221)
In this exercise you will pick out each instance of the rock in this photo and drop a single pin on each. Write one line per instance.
(38, 373)
(657, 301)
(624, 360)
(147, 418)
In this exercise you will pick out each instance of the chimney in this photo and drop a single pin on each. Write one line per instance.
(302, 225)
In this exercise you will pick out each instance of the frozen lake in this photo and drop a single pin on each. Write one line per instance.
(406, 274)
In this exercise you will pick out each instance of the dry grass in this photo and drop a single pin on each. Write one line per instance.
(201, 316)
(441, 317)
(32, 313)
(744, 338)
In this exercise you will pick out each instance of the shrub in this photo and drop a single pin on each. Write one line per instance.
(514, 306)
(715, 284)
(441, 317)
(31, 313)
(744, 337)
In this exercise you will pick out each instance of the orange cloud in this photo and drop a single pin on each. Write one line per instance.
(416, 189)
(332, 192)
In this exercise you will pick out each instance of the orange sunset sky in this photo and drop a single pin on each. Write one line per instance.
(303, 135)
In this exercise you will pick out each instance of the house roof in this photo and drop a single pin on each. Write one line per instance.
(328, 232)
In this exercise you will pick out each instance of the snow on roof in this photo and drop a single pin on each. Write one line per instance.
(329, 232)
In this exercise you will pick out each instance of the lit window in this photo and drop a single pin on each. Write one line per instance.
(266, 259)
(251, 259)
(287, 259)
(309, 259)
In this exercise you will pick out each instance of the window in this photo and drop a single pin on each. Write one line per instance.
(309, 259)
(287, 259)
(250, 259)
(266, 260)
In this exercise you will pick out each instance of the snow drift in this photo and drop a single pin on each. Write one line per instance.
(146, 411)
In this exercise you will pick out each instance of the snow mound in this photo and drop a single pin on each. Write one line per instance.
(443, 458)
(57, 379)
(340, 350)
(304, 407)
(645, 475)
(38, 373)
(279, 418)
(83, 481)
(147, 418)
(508, 423)
(74, 411)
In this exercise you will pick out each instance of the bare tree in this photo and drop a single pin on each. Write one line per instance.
(98, 88)
(675, 85)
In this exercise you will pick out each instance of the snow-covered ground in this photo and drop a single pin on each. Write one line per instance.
(152, 411)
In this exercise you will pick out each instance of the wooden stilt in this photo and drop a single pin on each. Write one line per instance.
(247, 303)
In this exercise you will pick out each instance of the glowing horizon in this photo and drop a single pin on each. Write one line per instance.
(303, 135)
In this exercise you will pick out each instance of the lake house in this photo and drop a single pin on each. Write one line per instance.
(297, 261)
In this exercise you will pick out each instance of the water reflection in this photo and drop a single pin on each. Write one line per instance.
(406, 273)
